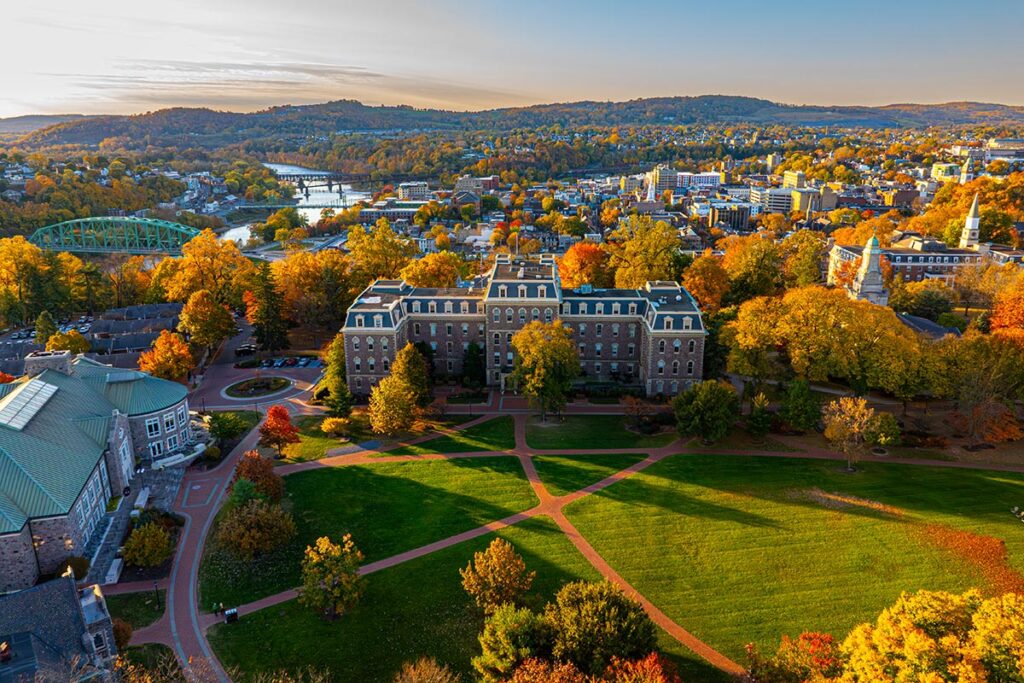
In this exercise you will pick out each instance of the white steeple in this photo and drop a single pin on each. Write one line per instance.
(969, 235)
(869, 285)
(966, 172)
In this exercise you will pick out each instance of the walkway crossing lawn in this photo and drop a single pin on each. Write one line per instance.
(563, 474)
(388, 508)
(412, 610)
(582, 432)
(493, 435)
(744, 549)
(138, 609)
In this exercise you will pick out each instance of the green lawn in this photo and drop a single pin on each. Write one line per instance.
(743, 549)
(313, 443)
(154, 657)
(388, 508)
(564, 474)
(581, 432)
(497, 434)
(138, 609)
(412, 610)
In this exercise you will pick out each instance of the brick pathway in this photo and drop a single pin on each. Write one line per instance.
(184, 626)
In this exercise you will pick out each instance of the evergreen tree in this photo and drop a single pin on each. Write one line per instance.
(45, 328)
(263, 311)
(338, 399)
(474, 371)
(707, 410)
(800, 408)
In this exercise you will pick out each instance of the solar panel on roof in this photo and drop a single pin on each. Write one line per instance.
(20, 406)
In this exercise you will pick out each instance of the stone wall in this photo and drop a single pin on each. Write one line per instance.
(55, 539)
(18, 568)
(141, 439)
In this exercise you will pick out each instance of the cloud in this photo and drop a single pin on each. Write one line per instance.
(252, 85)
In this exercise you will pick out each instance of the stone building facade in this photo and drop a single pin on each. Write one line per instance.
(651, 338)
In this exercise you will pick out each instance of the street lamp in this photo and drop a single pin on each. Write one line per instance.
(156, 594)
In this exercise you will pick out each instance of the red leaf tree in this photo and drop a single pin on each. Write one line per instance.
(277, 431)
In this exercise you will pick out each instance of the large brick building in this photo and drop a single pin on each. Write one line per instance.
(651, 338)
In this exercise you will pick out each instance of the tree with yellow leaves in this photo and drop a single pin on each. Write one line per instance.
(211, 264)
(642, 250)
(707, 281)
(847, 421)
(380, 253)
(585, 263)
(440, 269)
(331, 583)
(169, 357)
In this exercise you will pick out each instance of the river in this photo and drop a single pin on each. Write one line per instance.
(316, 196)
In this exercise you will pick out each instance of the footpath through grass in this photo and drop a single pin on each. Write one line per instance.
(582, 432)
(497, 434)
(564, 474)
(388, 508)
(413, 610)
(138, 609)
(741, 550)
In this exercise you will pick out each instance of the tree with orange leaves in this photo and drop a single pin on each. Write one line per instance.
(584, 263)
(169, 357)
(5, 378)
(1008, 313)
(277, 431)
(707, 281)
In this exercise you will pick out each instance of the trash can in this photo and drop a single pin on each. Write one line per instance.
(230, 615)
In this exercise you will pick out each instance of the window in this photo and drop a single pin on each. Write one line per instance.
(676, 345)
(369, 343)
(542, 291)
(597, 350)
(450, 366)
(355, 341)
(172, 442)
(378, 321)
(497, 315)
(661, 367)
(675, 367)
(464, 307)
(153, 427)
(415, 306)
(497, 358)
(156, 448)
(632, 309)
(632, 350)
(599, 309)
(433, 346)
(522, 291)
(583, 329)
(535, 314)
(522, 315)
(448, 307)
(583, 350)
(508, 356)
(169, 423)
(448, 347)
(668, 323)
(465, 329)
(687, 323)
(356, 363)
(689, 367)
(508, 338)
(597, 368)
(431, 307)
(386, 364)
(509, 315)
(615, 349)
(448, 329)
(502, 291)
(583, 308)
(691, 346)
(370, 363)
(359, 320)
(415, 330)
(359, 382)
(566, 308)
(599, 328)
(615, 330)
(616, 309)
(661, 346)
(497, 339)
(547, 315)
(384, 344)
(433, 329)
(632, 331)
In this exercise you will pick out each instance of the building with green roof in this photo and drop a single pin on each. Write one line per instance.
(71, 433)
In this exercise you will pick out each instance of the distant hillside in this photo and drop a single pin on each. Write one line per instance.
(21, 125)
(208, 128)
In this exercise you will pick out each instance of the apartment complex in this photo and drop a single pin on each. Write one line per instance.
(651, 338)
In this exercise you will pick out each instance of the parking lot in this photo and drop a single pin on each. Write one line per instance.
(292, 362)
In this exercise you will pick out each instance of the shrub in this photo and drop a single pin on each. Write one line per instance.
(243, 491)
(79, 567)
(496, 576)
(256, 527)
(226, 426)
(426, 670)
(593, 622)
(811, 657)
(654, 668)
(148, 545)
(212, 453)
(511, 635)
(122, 633)
(800, 409)
(883, 430)
(760, 419)
(540, 671)
(260, 472)
(335, 426)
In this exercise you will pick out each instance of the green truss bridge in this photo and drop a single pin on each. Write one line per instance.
(114, 235)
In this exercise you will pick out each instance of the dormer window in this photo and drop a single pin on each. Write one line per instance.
(448, 307)
(359, 320)
(616, 309)
(632, 309)
(502, 291)
(378, 321)
(432, 307)
(687, 323)
(464, 307)
(566, 308)
(522, 291)
(415, 306)
(542, 291)
(668, 323)
(599, 309)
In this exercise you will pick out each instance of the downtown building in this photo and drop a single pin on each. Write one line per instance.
(650, 338)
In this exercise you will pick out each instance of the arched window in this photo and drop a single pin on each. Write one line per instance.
(448, 307)
(535, 314)
(522, 315)
(691, 346)
(547, 315)
(497, 315)
(415, 306)
(369, 343)
(675, 367)
(384, 344)
(689, 367)
(356, 363)
(661, 367)
(355, 343)
(370, 364)
(522, 291)
(687, 323)
(661, 346)
(431, 307)
(676, 345)
(464, 307)
(509, 315)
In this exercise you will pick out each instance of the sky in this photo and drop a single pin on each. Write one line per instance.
(131, 56)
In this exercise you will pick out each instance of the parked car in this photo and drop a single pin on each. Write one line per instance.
(305, 361)
(291, 362)
(266, 363)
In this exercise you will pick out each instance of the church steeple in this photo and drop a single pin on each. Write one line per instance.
(966, 172)
(969, 235)
(869, 284)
